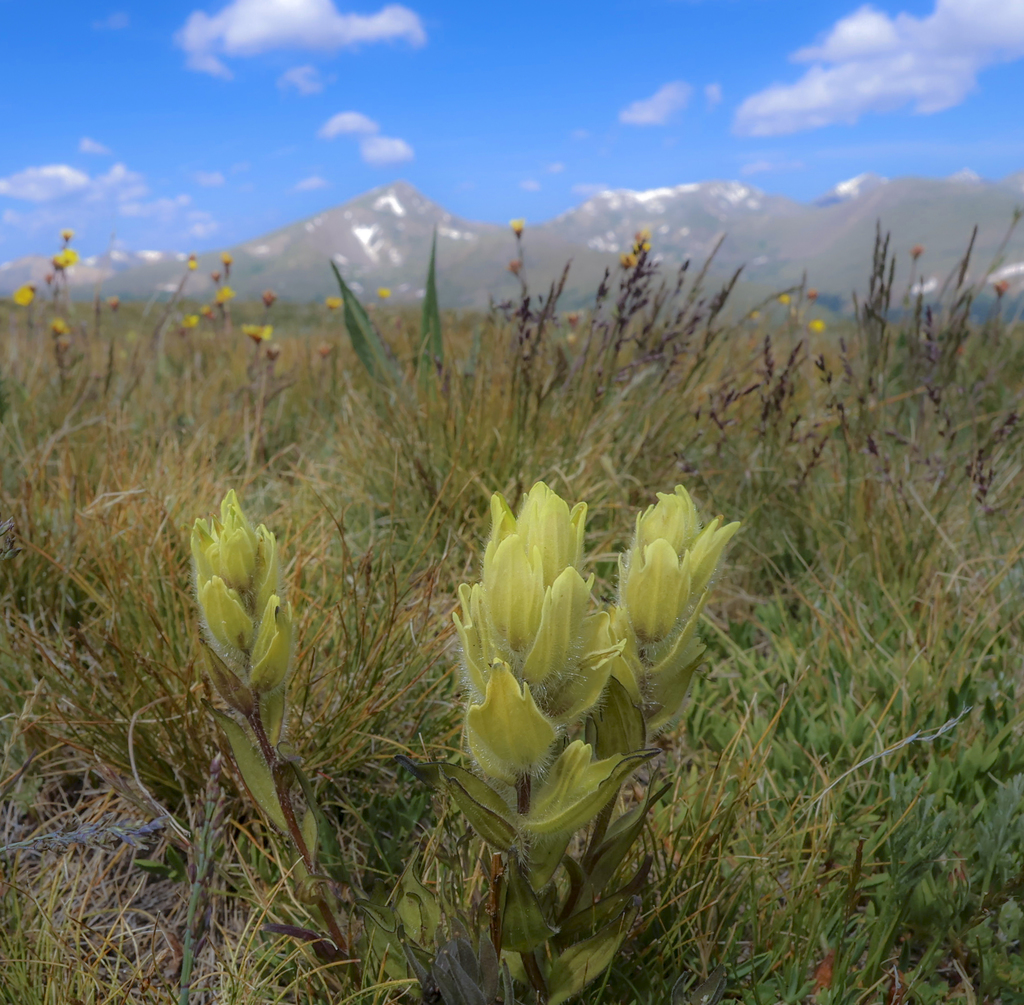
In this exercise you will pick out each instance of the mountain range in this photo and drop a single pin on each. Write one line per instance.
(382, 238)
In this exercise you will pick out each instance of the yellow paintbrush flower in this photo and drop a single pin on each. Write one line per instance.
(59, 326)
(224, 294)
(67, 233)
(225, 257)
(383, 292)
(817, 326)
(65, 259)
(333, 303)
(258, 333)
(517, 225)
(190, 321)
(783, 298)
(628, 261)
(193, 264)
(24, 295)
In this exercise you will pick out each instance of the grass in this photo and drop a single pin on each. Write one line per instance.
(826, 836)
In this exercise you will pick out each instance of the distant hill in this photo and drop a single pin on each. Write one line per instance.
(382, 238)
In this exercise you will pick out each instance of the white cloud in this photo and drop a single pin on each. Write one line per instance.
(115, 22)
(557, 168)
(208, 179)
(43, 184)
(345, 123)
(713, 94)
(305, 80)
(579, 134)
(163, 209)
(762, 165)
(659, 108)
(871, 62)
(384, 150)
(530, 185)
(310, 184)
(589, 189)
(250, 27)
(88, 146)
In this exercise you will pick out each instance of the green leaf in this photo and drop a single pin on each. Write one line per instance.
(253, 769)
(618, 726)
(708, 993)
(580, 964)
(487, 812)
(604, 861)
(366, 340)
(153, 867)
(431, 346)
(545, 855)
(523, 926)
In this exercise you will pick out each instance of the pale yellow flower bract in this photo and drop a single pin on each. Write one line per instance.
(333, 303)
(383, 292)
(24, 295)
(224, 294)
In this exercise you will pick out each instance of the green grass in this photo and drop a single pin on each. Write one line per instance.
(873, 594)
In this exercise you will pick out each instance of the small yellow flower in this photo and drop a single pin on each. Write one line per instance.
(59, 326)
(383, 292)
(67, 233)
(24, 295)
(190, 321)
(783, 298)
(333, 303)
(113, 303)
(754, 315)
(225, 257)
(817, 326)
(628, 261)
(206, 310)
(224, 294)
(192, 263)
(258, 333)
(65, 259)
(517, 225)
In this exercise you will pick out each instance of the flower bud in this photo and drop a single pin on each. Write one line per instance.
(271, 653)
(673, 518)
(561, 619)
(547, 523)
(225, 615)
(508, 734)
(268, 574)
(514, 592)
(654, 586)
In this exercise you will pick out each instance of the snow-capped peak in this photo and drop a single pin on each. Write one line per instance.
(852, 188)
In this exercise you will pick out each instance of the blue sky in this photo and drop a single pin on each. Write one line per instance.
(186, 126)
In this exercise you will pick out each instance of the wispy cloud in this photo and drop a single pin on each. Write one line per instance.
(713, 94)
(45, 183)
(871, 62)
(763, 165)
(88, 146)
(310, 184)
(659, 107)
(530, 185)
(347, 123)
(384, 150)
(113, 22)
(208, 179)
(557, 168)
(251, 27)
(589, 189)
(304, 79)
(373, 148)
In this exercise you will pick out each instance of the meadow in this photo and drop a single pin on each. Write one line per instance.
(842, 819)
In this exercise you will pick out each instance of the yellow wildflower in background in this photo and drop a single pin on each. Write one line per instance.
(517, 225)
(192, 263)
(67, 233)
(783, 298)
(65, 259)
(627, 261)
(24, 295)
(258, 333)
(206, 310)
(59, 326)
(817, 326)
(333, 303)
(224, 294)
(383, 292)
(190, 321)
(225, 257)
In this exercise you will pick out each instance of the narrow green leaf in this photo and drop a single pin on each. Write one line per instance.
(366, 340)
(523, 926)
(431, 346)
(708, 993)
(580, 964)
(618, 726)
(602, 864)
(253, 769)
